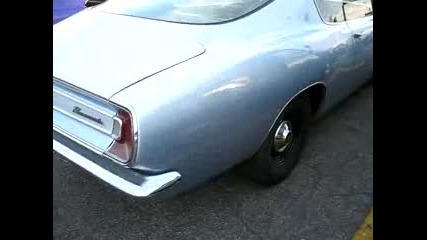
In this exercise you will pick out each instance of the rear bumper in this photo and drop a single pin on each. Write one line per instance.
(125, 179)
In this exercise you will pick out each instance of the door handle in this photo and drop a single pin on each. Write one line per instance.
(358, 35)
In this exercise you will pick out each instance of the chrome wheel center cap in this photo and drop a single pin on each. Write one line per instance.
(283, 137)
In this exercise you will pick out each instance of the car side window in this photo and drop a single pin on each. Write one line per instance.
(331, 11)
(354, 9)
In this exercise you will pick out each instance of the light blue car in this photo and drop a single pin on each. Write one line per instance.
(156, 97)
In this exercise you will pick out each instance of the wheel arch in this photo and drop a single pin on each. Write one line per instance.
(316, 93)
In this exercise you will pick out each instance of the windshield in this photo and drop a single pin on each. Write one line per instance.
(184, 11)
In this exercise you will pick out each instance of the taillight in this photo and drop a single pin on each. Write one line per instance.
(122, 148)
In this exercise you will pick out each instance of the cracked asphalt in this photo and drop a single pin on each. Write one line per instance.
(326, 197)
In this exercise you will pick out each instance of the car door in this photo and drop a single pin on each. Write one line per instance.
(359, 17)
(343, 66)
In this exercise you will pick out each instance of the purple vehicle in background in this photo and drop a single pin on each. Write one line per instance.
(65, 8)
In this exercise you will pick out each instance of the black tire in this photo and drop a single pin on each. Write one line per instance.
(269, 167)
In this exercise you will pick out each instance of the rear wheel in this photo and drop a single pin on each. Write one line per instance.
(280, 152)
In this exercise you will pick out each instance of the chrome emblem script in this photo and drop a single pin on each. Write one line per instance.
(78, 111)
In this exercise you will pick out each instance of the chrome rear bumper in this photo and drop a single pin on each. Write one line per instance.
(138, 185)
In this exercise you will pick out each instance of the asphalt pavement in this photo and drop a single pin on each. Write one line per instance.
(326, 197)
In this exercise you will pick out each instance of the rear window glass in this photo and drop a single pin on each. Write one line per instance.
(184, 11)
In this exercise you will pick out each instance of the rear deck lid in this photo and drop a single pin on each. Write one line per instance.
(104, 53)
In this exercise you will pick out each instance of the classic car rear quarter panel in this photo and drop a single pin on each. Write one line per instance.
(205, 115)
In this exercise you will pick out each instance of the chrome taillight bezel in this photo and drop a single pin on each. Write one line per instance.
(126, 140)
(118, 124)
